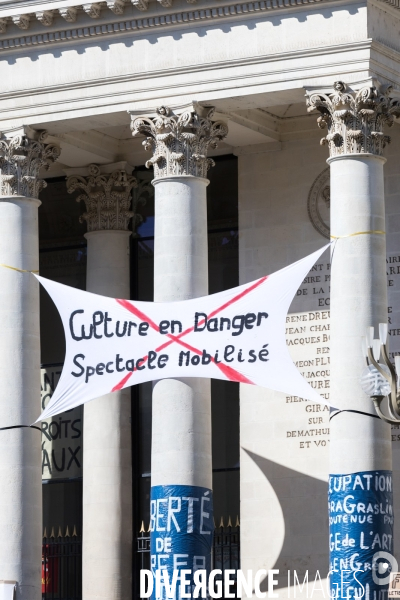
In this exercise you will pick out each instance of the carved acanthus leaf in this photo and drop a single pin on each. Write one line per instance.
(92, 9)
(69, 14)
(45, 17)
(355, 120)
(107, 197)
(21, 21)
(117, 6)
(21, 158)
(141, 4)
(180, 143)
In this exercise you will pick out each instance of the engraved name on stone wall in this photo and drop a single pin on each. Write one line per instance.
(308, 338)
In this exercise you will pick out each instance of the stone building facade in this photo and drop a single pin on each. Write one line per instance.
(223, 106)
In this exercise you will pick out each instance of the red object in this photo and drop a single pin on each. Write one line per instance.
(49, 570)
(230, 373)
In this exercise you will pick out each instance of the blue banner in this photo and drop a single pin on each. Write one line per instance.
(182, 527)
(360, 534)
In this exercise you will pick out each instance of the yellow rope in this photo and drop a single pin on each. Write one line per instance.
(19, 270)
(338, 237)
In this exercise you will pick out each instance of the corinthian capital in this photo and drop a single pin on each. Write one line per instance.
(22, 155)
(180, 143)
(107, 196)
(355, 120)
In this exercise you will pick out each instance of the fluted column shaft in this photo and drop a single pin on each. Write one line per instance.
(107, 460)
(360, 445)
(181, 522)
(358, 300)
(20, 449)
(181, 425)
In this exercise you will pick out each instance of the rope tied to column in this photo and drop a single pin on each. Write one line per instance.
(358, 412)
(377, 231)
(336, 238)
(15, 269)
(19, 427)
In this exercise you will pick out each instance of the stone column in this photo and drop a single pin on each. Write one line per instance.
(107, 463)
(22, 154)
(360, 444)
(181, 467)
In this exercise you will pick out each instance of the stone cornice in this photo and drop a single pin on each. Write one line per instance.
(16, 7)
(367, 44)
(122, 101)
(45, 19)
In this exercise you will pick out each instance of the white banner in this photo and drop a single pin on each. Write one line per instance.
(236, 335)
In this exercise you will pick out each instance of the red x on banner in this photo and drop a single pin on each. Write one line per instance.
(228, 371)
(113, 343)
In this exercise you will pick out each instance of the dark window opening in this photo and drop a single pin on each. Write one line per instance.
(63, 259)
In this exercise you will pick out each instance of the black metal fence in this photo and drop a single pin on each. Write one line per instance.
(62, 568)
(62, 559)
(226, 546)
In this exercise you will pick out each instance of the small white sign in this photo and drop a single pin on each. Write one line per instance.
(7, 590)
(394, 585)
